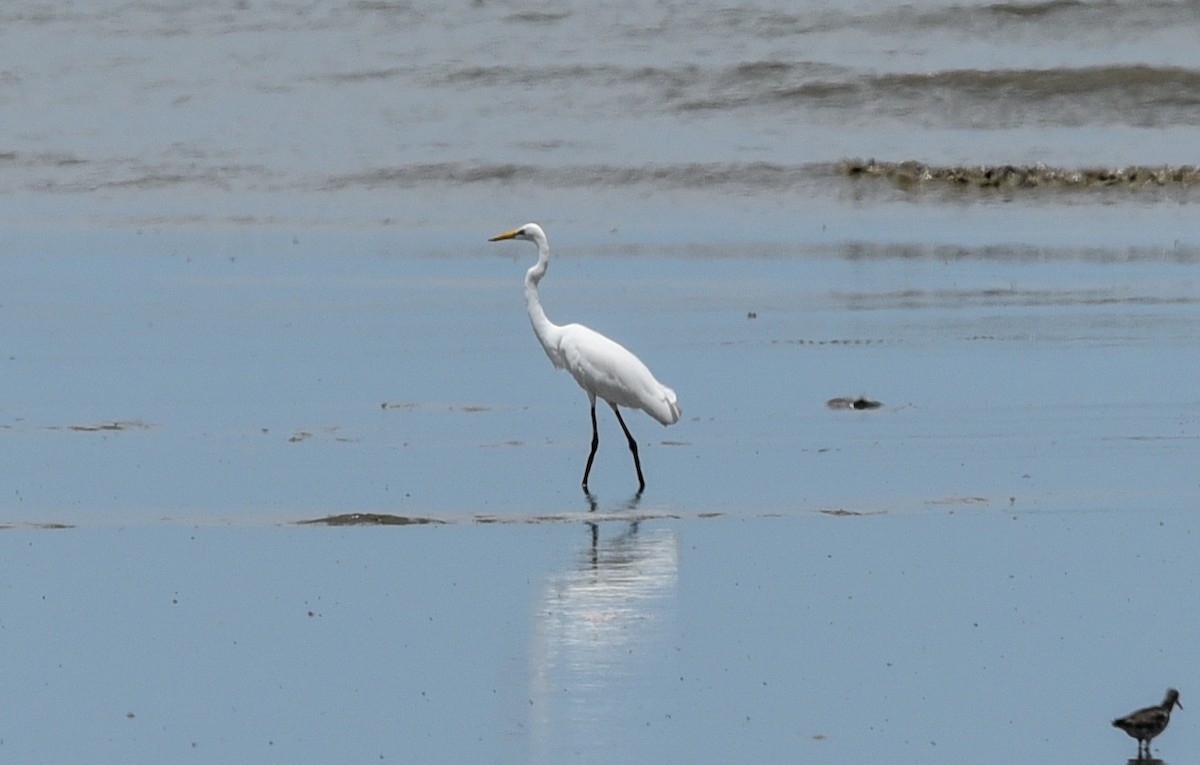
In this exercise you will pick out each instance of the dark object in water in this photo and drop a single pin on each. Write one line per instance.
(368, 519)
(117, 425)
(911, 174)
(860, 403)
(1147, 723)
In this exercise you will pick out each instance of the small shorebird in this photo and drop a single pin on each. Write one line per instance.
(1147, 723)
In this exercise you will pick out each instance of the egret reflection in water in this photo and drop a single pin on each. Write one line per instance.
(600, 629)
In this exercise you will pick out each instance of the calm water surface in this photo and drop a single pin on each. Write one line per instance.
(977, 636)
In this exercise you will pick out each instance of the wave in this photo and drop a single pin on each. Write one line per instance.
(69, 173)
(1136, 95)
(764, 176)
(749, 175)
(1004, 17)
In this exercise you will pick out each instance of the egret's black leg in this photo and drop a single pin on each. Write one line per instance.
(595, 445)
(637, 463)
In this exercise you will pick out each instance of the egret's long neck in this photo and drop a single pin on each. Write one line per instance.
(542, 326)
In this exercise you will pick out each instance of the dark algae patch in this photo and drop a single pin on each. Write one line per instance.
(109, 426)
(368, 519)
(912, 174)
(847, 402)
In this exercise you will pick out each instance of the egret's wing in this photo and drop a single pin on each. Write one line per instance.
(606, 368)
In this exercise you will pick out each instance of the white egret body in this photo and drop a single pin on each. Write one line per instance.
(601, 366)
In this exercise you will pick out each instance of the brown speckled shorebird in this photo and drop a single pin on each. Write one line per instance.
(1147, 723)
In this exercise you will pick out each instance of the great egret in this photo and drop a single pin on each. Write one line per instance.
(601, 366)
(1147, 723)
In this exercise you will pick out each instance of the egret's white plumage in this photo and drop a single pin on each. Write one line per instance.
(602, 367)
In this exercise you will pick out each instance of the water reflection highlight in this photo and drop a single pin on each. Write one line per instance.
(599, 625)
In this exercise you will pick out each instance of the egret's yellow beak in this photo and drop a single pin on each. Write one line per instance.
(507, 235)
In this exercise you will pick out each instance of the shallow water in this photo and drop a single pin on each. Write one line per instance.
(245, 284)
(269, 387)
(797, 581)
(977, 635)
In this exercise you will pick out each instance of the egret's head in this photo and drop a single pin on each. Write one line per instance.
(530, 232)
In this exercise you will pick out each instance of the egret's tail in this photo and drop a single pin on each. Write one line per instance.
(667, 412)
